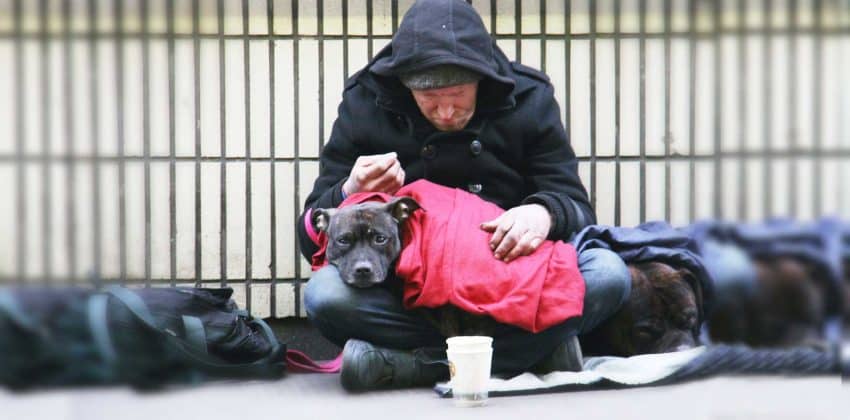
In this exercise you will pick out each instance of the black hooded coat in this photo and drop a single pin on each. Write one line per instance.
(513, 151)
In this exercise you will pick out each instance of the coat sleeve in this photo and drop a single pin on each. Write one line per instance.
(335, 163)
(552, 169)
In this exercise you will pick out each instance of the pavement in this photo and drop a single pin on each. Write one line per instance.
(320, 396)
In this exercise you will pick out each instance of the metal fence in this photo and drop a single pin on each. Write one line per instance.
(173, 142)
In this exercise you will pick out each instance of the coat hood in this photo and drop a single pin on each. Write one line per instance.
(435, 32)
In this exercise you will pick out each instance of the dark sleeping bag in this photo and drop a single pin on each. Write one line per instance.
(146, 338)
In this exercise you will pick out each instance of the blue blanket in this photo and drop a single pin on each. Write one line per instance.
(652, 241)
(819, 244)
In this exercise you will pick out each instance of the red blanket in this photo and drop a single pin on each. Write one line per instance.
(446, 259)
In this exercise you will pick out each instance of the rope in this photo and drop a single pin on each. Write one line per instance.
(726, 359)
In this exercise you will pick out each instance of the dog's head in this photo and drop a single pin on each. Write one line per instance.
(662, 314)
(364, 239)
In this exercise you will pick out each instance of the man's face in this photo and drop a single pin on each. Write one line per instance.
(449, 108)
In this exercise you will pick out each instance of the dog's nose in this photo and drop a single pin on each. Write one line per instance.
(362, 269)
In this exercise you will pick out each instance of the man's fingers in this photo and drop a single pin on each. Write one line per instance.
(505, 225)
(369, 160)
(379, 168)
(389, 182)
(507, 244)
(491, 225)
(526, 245)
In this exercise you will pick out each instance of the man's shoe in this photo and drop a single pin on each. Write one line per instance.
(366, 366)
(565, 357)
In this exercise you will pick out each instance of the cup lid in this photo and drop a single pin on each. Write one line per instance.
(467, 341)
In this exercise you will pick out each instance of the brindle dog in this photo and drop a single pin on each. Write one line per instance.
(662, 314)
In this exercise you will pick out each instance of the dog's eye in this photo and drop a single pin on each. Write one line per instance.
(343, 241)
(647, 333)
(380, 239)
(688, 321)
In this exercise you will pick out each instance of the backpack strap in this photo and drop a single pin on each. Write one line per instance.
(99, 326)
(196, 336)
(13, 312)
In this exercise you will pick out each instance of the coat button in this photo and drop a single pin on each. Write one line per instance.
(475, 188)
(475, 147)
(429, 152)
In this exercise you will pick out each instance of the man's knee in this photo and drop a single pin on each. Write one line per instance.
(326, 296)
(606, 276)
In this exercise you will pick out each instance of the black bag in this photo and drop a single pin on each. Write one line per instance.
(142, 337)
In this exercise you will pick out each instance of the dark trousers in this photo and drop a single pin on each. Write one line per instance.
(377, 315)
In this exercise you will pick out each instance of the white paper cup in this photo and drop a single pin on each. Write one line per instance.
(470, 358)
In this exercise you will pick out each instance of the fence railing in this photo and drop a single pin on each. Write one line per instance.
(164, 142)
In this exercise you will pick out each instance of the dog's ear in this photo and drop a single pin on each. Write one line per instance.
(694, 282)
(321, 218)
(402, 208)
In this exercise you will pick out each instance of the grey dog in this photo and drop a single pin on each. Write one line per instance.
(364, 241)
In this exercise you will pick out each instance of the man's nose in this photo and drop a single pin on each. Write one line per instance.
(445, 111)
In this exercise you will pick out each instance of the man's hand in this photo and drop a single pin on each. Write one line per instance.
(518, 231)
(375, 173)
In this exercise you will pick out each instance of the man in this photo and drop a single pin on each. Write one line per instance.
(443, 103)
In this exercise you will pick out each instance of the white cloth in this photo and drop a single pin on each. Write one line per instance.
(617, 371)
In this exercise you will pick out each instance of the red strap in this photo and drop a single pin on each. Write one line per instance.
(299, 362)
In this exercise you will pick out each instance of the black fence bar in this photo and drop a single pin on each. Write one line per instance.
(618, 15)
(296, 196)
(70, 125)
(568, 14)
(370, 17)
(817, 121)
(592, 80)
(222, 108)
(668, 135)
(118, 16)
(344, 37)
(272, 153)
(793, 117)
(642, 94)
(172, 163)
(767, 104)
(717, 161)
(94, 92)
(196, 117)
(46, 132)
(394, 10)
(493, 31)
(841, 197)
(518, 29)
(692, 87)
(743, 114)
(249, 228)
(20, 133)
(146, 129)
(320, 18)
(542, 14)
